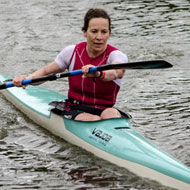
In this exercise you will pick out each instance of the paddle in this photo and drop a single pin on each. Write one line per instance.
(155, 64)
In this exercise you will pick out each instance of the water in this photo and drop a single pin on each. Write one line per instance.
(31, 35)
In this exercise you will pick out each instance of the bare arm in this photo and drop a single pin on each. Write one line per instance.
(113, 74)
(50, 68)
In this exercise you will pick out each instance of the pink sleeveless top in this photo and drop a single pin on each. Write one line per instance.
(98, 94)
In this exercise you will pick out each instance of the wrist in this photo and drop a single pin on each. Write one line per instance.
(102, 74)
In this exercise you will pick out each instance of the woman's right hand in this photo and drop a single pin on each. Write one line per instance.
(17, 81)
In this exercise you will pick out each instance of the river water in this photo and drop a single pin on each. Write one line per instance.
(31, 35)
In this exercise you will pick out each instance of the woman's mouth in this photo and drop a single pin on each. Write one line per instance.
(98, 44)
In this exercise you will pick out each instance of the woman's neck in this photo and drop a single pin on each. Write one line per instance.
(94, 54)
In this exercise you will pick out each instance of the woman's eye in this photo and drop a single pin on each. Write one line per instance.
(104, 31)
(94, 31)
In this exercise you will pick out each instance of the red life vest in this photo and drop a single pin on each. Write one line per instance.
(98, 94)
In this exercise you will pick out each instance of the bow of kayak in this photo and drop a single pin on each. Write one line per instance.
(114, 140)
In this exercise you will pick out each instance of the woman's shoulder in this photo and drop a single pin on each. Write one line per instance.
(69, 48)
(111, 48)
(117, 56)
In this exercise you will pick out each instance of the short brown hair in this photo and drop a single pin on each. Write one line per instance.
(95, 13)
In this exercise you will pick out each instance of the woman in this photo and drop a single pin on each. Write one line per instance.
(90, 96)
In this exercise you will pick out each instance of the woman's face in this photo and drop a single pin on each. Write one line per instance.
(97, 35)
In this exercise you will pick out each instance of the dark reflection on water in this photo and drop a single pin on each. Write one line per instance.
(31, 35)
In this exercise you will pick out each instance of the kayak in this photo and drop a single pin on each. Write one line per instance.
(114, 140)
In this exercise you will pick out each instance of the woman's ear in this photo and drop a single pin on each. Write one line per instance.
(84, 33)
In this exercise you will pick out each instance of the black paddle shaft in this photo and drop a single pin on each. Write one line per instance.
(155, 64)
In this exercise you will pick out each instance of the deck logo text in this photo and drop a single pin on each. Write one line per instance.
(102, 135)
